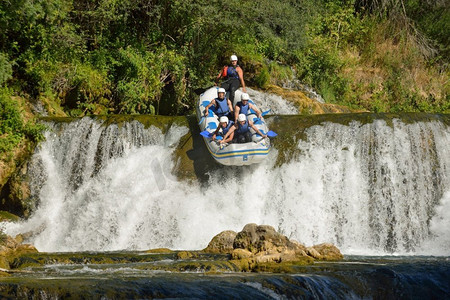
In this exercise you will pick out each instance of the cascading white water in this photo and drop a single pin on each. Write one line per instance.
(276, 104)
(370, 189)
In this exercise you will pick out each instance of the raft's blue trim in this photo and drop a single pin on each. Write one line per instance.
(212, 125)
(236, 153)
(239, 152)
(230, 156)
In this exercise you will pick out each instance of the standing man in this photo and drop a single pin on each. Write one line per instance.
(234, 76)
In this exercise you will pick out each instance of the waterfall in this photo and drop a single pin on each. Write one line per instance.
(276, 104)
(371, 189)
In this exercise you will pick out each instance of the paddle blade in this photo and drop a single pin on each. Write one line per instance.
(257, 121)
(201, 120)
(206, 134)
(219, 138)
(270, 133)
(265, 113)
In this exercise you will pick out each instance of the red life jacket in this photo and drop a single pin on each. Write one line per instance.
(224, 71)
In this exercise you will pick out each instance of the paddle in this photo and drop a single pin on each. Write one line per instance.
(209, 135)
(206, 134)
(258, 120)
(269, 133)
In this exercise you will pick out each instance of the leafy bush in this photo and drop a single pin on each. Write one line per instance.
(13, 129)
(135, 56)
(5, 69)
(11, 123)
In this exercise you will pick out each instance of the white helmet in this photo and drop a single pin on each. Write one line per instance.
(223, 119)
(242, 117)
(245, 96)
(221, 90)
(233, 57)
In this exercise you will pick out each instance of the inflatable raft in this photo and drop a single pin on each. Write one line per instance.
(232, 154)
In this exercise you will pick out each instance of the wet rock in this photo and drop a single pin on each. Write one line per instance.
(313, 253)
(11, 248)
(270, 257)
(186, 254)
(222, 243)
(16, 196)
(258, 245)
(328, 251)
(241, 254)
(159, 251)
(258, 238)
(267, 244)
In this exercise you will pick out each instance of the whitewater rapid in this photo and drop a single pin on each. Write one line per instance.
(371, 189)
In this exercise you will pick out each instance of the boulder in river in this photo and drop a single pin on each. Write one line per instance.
(222, 242)
(11, 248)
(262, 244)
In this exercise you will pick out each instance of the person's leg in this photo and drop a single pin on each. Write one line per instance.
(248, 137)
(234, 85)
(226, 85)
(240, 138)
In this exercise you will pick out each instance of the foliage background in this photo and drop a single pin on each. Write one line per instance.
(82, 57)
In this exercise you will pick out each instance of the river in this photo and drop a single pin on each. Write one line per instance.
(377, 189)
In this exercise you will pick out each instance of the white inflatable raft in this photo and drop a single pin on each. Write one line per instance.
(232, 154)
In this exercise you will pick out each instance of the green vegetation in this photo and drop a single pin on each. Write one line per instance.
(15, 128)
(376, 57)
(147, 57)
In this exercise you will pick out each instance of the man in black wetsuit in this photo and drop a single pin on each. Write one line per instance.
(234, 76)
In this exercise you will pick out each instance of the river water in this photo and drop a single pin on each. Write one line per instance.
(380, 191)
(355, 278)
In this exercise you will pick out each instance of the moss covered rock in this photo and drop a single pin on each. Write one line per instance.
(222, 242)
(159, 250)
(328, 251)
(259, 247)
(265, 240)
(11, 248)
(307, 105)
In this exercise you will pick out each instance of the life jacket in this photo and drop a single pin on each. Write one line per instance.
(224, 71)
(223, 131)
(232, 72)
(243, 128)
(222, 107)
(244, 108)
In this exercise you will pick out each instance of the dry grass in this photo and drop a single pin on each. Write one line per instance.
(392, 71)
(307, 105)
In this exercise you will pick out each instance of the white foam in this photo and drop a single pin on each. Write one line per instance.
(371, 189)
